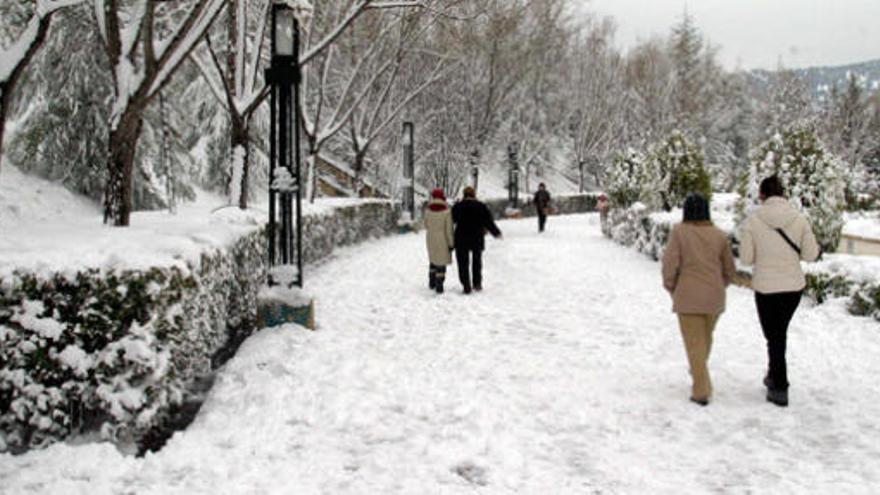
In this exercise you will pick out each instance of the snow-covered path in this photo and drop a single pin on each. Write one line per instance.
(566, 375)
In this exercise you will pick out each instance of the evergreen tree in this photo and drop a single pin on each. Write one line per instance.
(686, 51)
(674, 168)
(62, 136)
(847, 121)
(814, 179)
(625, 177)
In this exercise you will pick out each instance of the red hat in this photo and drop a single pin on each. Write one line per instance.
(438, 193)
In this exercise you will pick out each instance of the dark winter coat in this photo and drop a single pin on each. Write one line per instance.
(472, 219)
(542, 201)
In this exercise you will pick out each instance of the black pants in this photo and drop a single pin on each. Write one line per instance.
(542, 220)
(775, 312)
(464, 257)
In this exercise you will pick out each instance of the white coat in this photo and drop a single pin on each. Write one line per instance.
(438, 228)
(777, 266)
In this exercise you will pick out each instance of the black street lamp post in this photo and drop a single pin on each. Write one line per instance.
(284, 144)
(513, 175)
(475, 167)
(409, 200)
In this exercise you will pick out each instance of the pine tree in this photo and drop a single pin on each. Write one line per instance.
(686, 50)
(847, 120)
(814, 179)
(674, 168)
(63, 136)
(625, 177)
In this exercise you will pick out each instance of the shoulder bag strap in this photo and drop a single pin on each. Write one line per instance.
(789, 241)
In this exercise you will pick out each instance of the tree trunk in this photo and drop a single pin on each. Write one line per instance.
(240, 141)
(123, 143)
(359, 158)
(5, 101)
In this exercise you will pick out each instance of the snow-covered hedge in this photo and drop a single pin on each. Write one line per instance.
(634, 227)
(838, 275)
(116, 351)
(342, 226)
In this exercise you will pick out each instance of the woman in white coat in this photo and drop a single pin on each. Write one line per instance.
(438, 228)
(775, 239)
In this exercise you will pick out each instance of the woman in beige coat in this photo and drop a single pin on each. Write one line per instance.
(697, 268)
(776, 238)
(438, 228)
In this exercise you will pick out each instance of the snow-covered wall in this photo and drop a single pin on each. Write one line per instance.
(323, 231)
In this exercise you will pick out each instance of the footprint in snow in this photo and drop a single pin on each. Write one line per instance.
(474, 474)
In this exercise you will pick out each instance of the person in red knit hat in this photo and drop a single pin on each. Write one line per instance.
(438, 229)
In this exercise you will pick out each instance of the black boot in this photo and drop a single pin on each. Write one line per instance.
(432, 278)
(439, 286)
(778, 397)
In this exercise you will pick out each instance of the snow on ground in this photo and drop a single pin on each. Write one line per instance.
(566, 375)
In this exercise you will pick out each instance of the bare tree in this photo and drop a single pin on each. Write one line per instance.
(414, 70)
(145, 43)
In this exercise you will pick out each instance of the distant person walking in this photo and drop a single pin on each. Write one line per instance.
(697, 268)
(542, 205)
(438, 236)
(472, 219)
(775, 239)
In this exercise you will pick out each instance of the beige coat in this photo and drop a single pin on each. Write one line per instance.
(777, 265)
(438, 225)
(697, 268)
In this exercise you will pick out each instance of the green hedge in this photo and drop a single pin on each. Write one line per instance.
(119, 352)
(116, 351)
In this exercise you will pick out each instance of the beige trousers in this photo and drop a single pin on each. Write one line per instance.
(696, 331)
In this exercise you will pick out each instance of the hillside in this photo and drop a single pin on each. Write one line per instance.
(820, 80)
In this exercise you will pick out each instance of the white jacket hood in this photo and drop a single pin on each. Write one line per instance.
(777, 212)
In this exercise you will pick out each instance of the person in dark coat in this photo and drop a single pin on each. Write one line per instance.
(472, 219)
(542, 205)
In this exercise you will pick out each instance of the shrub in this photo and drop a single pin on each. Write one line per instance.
(813, 177)
(674, 168)
(624, 180)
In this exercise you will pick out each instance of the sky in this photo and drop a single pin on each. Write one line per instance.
(759, 33)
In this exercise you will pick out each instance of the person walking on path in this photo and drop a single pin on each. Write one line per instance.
(775, 239)
(697, 268)
(542, 205)
(438, 236)
(472, 219)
